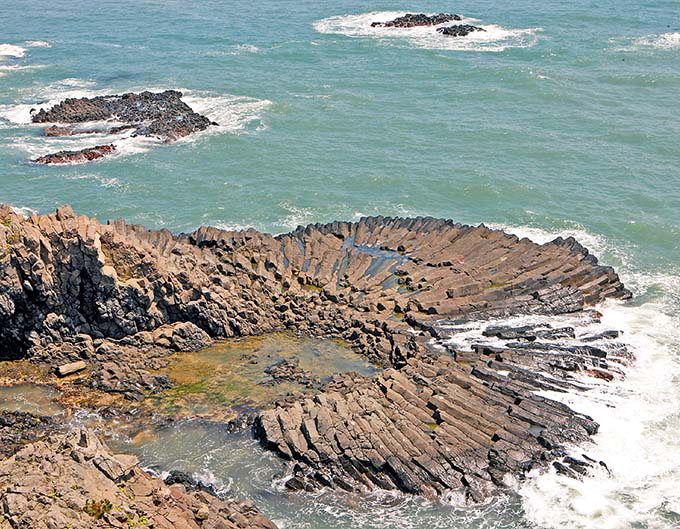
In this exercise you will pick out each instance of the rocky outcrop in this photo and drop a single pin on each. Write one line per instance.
(160, 115)
(64, 276)
(410, 20)
(163, 115)
(75, 481)
(74, 157)
(439, 419)
(460, 30)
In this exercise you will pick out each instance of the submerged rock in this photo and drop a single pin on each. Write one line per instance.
(73, 157)
(437, 420)
(410, 20)
(460, 30)
(88, 486)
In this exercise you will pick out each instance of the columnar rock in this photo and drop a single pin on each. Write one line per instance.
(74, 480)
(439, 419)
(373, 281)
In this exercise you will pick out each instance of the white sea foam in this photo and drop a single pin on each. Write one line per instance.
(667, 41)
(638, 416)
(494, 38)
(37, 44)
(10, 50)
(24, 210)
(232, 113)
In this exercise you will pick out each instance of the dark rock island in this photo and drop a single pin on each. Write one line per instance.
(410, 20)
(461, 30)
(160, 115)
(438, 418)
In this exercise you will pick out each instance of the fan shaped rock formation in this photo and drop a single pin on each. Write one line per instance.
(436, 420)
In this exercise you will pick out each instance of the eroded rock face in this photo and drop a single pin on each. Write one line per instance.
(440, 419)
(88, 486)
(410, 20)
(460, 30)
(74, 157)
(163, 115)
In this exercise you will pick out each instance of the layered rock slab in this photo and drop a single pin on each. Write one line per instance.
(75, 157)
(160, 114)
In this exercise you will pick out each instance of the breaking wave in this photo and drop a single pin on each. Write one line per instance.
(638, 416)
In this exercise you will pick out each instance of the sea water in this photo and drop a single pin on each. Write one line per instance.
(560, 119)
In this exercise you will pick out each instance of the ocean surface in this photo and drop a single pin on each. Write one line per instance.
(561, 118)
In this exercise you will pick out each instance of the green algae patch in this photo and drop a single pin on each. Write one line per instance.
(231, 376)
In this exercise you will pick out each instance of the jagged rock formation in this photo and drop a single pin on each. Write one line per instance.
(75, 481)
(438, 420)
(409, 20)
(73, 157)
(460, 30)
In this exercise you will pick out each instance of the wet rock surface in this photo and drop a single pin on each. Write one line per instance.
(441, 418)
(410, 20)
(74, 157)
(460, 30)
(88, 486)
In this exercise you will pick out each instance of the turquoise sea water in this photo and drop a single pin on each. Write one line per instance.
(561, 118)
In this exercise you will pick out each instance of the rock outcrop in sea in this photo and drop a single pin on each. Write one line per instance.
(72, 157)
(410, 20)
(161, 115)
(438, 419)
(460, 30)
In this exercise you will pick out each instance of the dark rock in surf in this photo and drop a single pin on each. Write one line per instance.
(410, 20)
(160, 115)
(75, 157)
(460, 30)
(163, 115)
